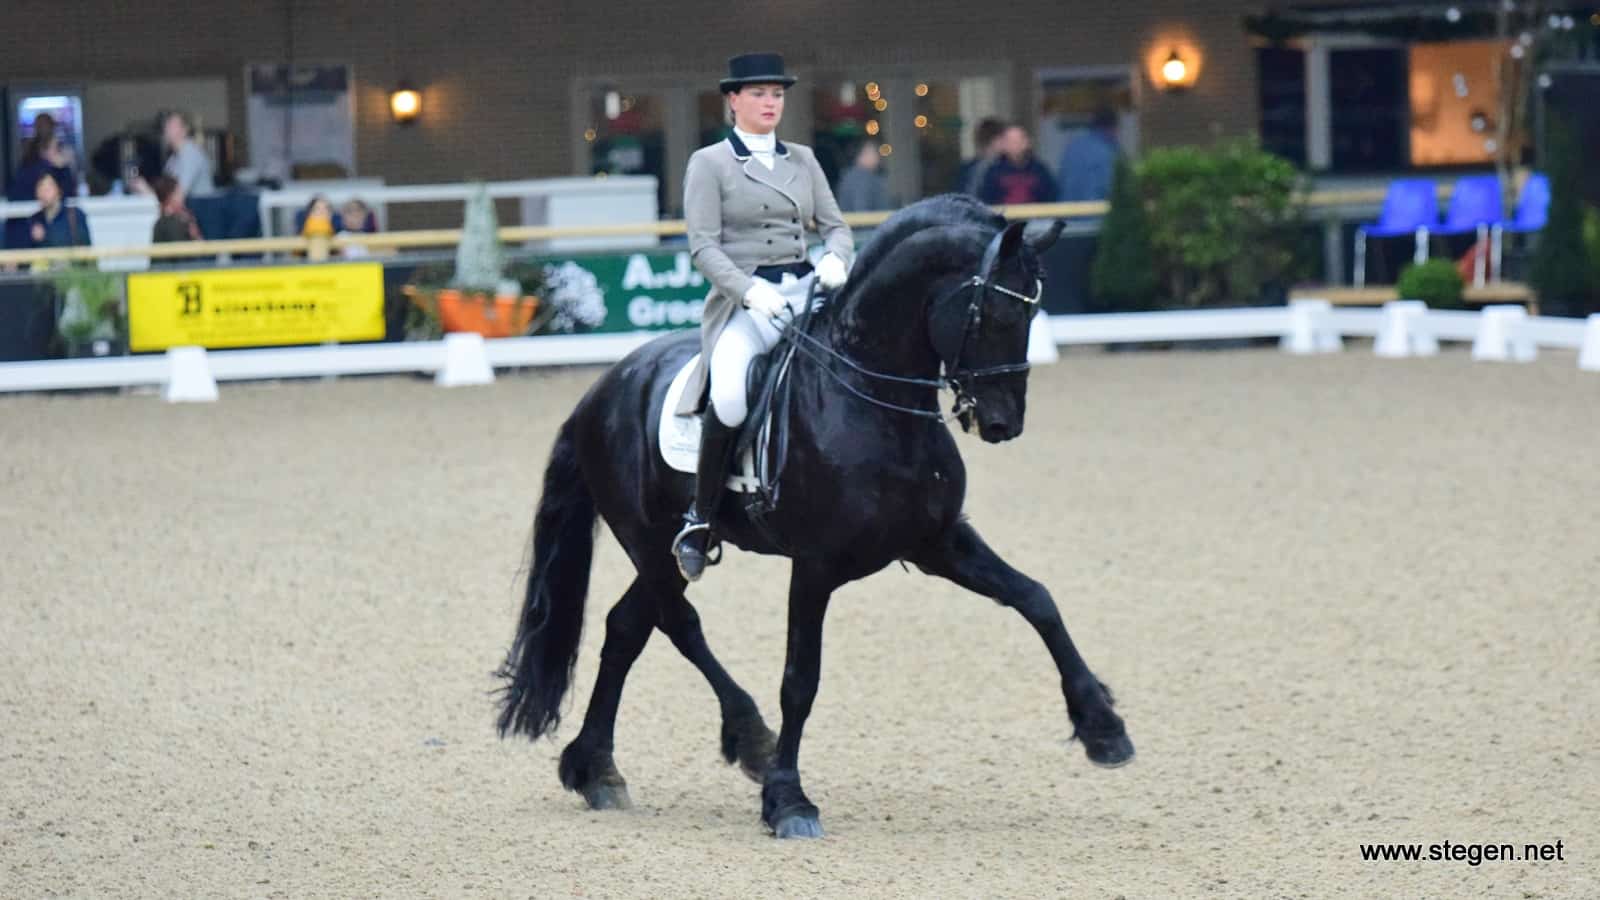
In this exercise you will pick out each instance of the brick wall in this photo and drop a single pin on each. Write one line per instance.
(497, 78)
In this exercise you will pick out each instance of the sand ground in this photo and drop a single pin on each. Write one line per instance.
(247, 650)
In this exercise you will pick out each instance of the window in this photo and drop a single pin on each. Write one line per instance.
(940, 123)
(843, 114)
(1068, 100)
(1281, 89)
(626, 134)
(1368, 107)
(1453, 103)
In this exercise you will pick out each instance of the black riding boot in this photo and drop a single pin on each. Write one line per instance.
(693, 544)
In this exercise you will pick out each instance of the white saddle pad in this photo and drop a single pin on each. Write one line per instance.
(679, 438)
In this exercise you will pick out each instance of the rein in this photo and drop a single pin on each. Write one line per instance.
(958, 380)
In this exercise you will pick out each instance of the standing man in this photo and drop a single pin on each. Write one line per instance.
(1087, 164)
(1016, 176)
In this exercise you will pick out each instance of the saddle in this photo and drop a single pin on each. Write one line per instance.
(761, 446)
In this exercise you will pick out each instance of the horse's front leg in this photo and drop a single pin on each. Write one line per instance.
(784, 807)
(961, 556)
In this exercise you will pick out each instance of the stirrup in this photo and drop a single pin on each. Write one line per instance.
(691, 526)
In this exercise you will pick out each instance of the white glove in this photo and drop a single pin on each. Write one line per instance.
(831, 271)
(763, 298)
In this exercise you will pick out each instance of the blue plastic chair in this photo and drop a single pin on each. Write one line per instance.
(1533, 211)
(1475, 205)
(1411, 206)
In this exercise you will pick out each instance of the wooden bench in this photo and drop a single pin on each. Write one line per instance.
(1379, 294)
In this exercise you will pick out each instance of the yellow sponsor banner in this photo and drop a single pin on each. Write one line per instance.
(257, 307)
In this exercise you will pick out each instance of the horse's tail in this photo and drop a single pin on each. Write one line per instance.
(538, 667)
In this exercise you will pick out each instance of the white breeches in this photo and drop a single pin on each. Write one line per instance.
(744, 337)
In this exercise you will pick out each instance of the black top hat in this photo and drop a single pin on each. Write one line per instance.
(755, 68)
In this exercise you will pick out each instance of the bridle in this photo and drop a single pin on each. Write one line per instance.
(958, 380)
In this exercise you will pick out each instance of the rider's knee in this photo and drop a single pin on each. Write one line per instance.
(728, 402)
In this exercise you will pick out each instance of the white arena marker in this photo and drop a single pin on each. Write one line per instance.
(1499, 338)
(1403, 333)
(189, 378)
(1302, 337)
(1589, 356)
(1042, 341)
(466, 362)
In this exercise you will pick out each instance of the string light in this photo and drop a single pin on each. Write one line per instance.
(589, 135)
(872, 126)
(885, 150)
(922, 121)
(922, 90)
(880, 104)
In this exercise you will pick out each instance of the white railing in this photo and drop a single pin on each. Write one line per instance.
(1400, 329)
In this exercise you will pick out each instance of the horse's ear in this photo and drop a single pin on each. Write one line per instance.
(1011, 239)
(1041, 236)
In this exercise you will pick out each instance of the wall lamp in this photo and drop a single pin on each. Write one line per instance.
(405, 103)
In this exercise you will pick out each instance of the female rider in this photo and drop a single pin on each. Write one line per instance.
(747, 201)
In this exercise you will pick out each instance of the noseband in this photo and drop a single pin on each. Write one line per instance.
(957, 379)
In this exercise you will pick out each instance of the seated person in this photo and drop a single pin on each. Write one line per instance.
(355, 217)
(176, 222)
(317, 218)
(56, 224)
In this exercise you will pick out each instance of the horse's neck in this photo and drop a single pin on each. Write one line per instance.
(886, 331)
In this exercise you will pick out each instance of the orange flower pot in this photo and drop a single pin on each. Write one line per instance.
(486, 315)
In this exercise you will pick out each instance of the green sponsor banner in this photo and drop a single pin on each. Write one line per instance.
(659, 291)
(601, 293)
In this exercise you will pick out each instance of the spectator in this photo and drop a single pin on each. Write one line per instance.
(318, 218)
(176, 222)
(56, 224)
(42, 154)
(1087, 163)
(186, 164)
(986, 141)
(355, 217)
(862, 187)
(1016, 176)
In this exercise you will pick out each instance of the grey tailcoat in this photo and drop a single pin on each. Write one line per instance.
(741, 215)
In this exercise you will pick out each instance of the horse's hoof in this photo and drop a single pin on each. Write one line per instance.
(607, 795)
(1111, 751)
(798, 825)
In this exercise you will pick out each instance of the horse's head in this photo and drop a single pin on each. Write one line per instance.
(980, 330)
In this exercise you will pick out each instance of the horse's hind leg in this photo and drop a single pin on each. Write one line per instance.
(961, 556)
(746, 739)
(586, 763)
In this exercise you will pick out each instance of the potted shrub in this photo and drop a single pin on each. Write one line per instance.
(1560, 272)
(479, 296)
(1224, 225)
(1436, 282)
(1123, 276)
(88, 317)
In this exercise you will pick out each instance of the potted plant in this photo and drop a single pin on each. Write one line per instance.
(1436, 282)
(478, 297)
(88, 317)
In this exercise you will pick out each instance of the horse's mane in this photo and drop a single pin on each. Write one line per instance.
(932, 212)
(929, 235)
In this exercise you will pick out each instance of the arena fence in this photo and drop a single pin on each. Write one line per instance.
(1403, 328)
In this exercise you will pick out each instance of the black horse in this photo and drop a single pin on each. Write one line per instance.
(873, 476)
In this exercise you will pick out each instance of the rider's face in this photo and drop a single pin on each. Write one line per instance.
(757, 108)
